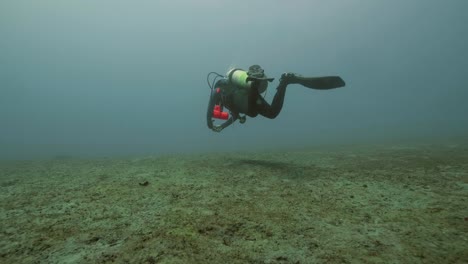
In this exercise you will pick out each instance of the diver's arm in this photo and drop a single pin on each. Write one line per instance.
(232, 118)
(215, 98)
(219, 128)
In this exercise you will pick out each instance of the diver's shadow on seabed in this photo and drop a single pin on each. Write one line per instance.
(286, 169)
(272, 165)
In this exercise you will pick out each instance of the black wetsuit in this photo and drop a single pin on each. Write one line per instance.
(244, 101)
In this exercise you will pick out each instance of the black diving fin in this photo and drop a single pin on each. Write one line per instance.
(320, 83)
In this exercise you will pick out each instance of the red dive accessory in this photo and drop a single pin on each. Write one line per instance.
(218, 113)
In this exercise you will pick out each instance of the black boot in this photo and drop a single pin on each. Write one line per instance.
(289, 78)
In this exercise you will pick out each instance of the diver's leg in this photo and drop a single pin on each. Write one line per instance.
(272, 111)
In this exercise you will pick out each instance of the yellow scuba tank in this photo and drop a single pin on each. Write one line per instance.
(238, 77)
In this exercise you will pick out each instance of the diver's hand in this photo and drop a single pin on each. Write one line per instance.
(289, 78)
(242, 119)
(217, 128)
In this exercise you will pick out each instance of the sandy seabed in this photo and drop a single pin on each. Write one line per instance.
(352, 204)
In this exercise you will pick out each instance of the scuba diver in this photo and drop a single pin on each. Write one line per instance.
(240, 92)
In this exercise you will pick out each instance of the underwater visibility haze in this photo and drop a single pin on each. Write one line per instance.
(107, 78)
(106, 156)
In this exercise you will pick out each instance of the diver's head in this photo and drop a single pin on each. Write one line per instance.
(257, 72)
